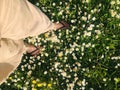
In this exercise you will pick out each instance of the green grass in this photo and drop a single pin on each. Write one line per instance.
(84, 57)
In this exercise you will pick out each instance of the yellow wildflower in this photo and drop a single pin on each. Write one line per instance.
(34, 81)
(49, 85)
(46, 35)
(39, 84)
(10, 78)
(34, 89)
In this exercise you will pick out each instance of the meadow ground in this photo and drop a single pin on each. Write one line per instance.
(84, 57)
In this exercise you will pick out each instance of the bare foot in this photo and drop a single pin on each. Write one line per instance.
(61, 25)
(33, 50)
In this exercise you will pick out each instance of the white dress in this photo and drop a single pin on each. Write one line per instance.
(18, 20)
